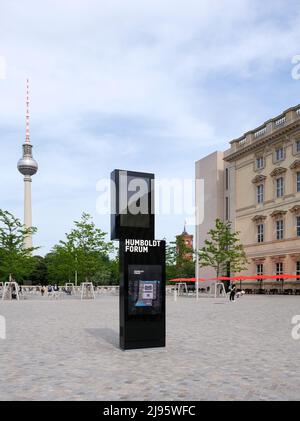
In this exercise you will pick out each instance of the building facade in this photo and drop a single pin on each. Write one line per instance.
(256, 185)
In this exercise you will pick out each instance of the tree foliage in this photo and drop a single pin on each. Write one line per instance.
(15, 260)
(223, 248)
(84, 253)
(39, 273)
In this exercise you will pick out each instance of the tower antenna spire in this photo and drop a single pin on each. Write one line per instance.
(27, 140)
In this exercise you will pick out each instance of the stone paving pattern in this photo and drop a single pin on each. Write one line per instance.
(216, 350)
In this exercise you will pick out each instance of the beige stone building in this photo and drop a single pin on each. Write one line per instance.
(256, 185)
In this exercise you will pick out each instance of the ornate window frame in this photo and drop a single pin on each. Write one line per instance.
(258, 156)
(295, 167)
(278, 259)
(296, 142)
(259, 220)
(295, 210)
(277, 173)
(276, 148)
(259, 180)
(278, 215)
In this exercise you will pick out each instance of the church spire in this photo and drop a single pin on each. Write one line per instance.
(184, 229)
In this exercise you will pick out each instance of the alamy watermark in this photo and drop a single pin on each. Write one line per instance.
(174, 196)
(2, 327)
(296, 329)
(296, 68)
(2, 68)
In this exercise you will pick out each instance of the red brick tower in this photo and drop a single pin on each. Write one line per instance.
(188, 241)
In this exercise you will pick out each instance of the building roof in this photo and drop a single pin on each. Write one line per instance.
(271, 130)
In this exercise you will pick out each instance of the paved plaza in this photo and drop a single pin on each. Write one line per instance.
(216, 350)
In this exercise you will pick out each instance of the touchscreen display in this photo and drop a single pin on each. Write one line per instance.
(144, 295)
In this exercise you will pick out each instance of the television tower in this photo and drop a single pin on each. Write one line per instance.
(28, 167)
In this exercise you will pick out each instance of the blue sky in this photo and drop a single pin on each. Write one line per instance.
(139, 85)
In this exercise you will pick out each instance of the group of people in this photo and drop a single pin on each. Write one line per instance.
(51, 290)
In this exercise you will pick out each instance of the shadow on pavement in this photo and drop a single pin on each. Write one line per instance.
(109, 335)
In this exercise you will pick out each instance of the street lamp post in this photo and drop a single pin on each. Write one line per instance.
(197, 257)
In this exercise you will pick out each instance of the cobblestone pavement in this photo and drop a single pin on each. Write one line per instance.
(68, 350)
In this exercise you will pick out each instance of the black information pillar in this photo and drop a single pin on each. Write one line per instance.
(142, 261)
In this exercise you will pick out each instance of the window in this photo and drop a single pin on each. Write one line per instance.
(279, 154)
(279, 229)
(226, 179)
(260, 233)
(260, 193)
(298, 146)
(279, 187)
(259, 162)
(279, 270)
(260, 269)
(298, 225)
(298, 268)
(227, 208)
(298, 181)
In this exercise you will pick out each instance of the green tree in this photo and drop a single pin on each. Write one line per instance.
(84, 254)
(223, 248)
(60, 264)
(114, 271)
(39, 273)
(15, 260)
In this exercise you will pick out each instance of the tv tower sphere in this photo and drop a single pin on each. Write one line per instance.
(27, 166)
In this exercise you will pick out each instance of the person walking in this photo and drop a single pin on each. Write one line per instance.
(14, 292)
(56, 291)
(232, 292)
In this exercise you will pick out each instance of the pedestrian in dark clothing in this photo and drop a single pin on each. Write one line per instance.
(232, 293)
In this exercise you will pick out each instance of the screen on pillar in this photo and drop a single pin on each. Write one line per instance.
(132, 203)
(136, 213)
(144, 289)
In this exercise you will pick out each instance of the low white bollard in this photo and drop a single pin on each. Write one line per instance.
(2, 327)
(175, 294)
